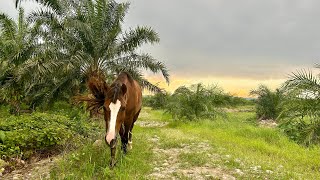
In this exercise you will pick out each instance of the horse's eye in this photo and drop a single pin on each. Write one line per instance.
(122, 108)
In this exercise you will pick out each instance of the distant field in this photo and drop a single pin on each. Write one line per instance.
(224, 148)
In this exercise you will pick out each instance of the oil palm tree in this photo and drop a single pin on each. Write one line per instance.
(86, 37)
(17, 46)
(302, 107)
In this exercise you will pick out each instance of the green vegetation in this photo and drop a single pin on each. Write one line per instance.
(195, 102)
(229, 147)
(301, 115)
(268, 104)
(51, 56)
(93, 161)
(23, 136)
(46, 58)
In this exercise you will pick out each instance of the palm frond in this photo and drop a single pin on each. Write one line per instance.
(144, 61)
(7, 26)
(303, 80)
(135, 38)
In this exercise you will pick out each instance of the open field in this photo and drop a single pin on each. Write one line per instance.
(232, 148)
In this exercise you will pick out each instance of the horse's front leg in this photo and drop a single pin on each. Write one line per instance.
(113, 146)
(124, 138)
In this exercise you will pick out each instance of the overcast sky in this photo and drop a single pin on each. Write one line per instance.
(236, 39)
(243, 38)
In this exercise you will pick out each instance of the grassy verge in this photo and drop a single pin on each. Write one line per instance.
(222, 148)
(92, 162)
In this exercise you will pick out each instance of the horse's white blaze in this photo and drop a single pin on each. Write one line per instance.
(114, 109)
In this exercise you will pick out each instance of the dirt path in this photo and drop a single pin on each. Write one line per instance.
(168, 165)
(33, 171)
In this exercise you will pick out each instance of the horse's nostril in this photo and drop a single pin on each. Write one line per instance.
(112, 142)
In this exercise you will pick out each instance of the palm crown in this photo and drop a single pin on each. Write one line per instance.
(75, 39)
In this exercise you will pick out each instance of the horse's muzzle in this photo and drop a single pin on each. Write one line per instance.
(113, 142)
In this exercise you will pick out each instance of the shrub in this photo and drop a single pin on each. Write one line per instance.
(301, 114)
(268, 102)
(157, 101)
(25, 134)
(196, 102)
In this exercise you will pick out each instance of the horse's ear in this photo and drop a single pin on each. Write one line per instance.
(124, 89)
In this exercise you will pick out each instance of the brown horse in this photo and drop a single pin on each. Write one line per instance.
(121, 104)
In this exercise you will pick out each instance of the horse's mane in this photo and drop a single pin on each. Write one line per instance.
(116, 86)
(100, 91)
(98, 87)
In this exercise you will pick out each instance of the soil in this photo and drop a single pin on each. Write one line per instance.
(269, 123)
(34, 170)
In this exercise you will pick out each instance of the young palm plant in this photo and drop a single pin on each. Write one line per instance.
(268, 104)
(301, 113)
(195, 102)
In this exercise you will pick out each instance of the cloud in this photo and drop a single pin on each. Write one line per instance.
(8, 7)
(248, 37)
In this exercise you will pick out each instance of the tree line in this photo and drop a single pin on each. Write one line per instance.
(48, 54)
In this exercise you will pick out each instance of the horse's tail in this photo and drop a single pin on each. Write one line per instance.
(98, 88)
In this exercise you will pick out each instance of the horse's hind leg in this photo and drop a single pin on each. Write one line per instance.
(130, 132)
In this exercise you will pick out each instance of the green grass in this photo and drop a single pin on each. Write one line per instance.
(92, 162)
(194, 158)
(230, 144)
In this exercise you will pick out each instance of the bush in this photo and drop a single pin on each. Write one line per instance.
(268, 102)
(157, 101)
(25, 134)
(301, 131)
(196, 102)
(301, 113)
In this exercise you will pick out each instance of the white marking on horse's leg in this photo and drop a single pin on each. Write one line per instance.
(114, 109)
(129, 144)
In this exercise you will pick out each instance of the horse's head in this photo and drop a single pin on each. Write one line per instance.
(112, 99)
(114, 110)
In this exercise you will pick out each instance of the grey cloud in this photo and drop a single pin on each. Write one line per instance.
(283, 33)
